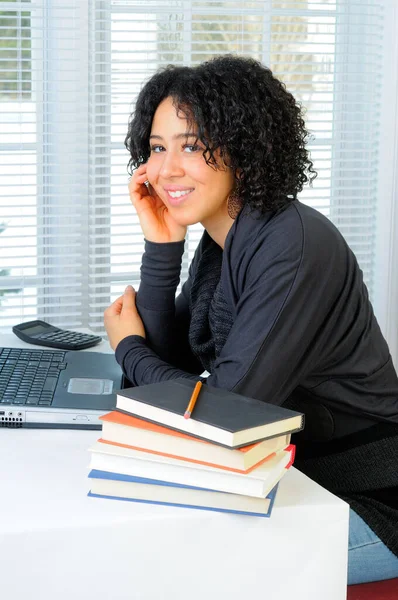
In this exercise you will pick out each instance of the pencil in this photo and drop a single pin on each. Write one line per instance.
(192, 402)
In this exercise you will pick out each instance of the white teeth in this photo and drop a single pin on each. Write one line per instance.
(179, 193)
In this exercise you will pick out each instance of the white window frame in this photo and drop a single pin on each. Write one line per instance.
(385, 300)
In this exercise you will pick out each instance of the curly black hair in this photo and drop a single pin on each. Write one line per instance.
(240, 109)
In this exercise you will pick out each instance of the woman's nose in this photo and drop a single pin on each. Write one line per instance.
(171, 166)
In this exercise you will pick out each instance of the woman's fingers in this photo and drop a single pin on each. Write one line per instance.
(137, 187)
(141, 169)
(115, 308)
(155, 220)
(143, 197)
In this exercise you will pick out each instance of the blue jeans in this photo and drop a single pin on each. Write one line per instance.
(368, 558)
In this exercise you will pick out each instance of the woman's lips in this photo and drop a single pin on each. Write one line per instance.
(177, 197)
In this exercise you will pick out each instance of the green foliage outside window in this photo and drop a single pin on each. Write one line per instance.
(15, 53)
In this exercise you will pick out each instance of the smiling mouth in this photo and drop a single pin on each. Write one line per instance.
(179, 193)
(177, 196)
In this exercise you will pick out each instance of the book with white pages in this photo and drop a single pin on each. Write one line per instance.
(220, 416)
(257, 483)
(114, 486)
(129, 431)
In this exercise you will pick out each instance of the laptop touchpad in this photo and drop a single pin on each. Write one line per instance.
(85, 385)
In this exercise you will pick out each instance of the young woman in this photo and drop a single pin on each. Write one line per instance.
(274, 306)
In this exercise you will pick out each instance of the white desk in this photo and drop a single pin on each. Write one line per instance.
(58, 544)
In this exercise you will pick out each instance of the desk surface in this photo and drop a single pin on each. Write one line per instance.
(46, 487)
(68, 545)
(58, 543)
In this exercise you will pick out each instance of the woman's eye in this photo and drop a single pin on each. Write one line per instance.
(192, 148)
(157, 148)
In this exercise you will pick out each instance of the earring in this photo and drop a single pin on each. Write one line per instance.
(234, 204)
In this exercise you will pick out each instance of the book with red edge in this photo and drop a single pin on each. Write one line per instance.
(138, 434)
(257, 483)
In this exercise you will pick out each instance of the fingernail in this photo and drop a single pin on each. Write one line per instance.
(129, 288)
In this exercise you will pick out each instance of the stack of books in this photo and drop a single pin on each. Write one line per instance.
(228, 456)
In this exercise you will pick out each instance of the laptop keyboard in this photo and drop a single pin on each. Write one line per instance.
(29, 377)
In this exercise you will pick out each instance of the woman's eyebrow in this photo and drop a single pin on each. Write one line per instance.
(177, 136)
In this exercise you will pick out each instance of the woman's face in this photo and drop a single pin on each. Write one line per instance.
(193, 191)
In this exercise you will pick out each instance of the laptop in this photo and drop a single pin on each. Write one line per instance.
(49, 388)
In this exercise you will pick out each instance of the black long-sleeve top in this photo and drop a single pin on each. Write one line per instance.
(287, 307)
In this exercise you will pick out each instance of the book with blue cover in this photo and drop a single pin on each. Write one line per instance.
(115, 486)
(114, 459)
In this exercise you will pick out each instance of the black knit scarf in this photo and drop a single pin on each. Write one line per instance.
(211, 318)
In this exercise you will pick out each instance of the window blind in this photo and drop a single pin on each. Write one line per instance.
(69, 75)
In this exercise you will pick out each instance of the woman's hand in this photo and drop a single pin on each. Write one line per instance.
(121, 318)
(155, 219)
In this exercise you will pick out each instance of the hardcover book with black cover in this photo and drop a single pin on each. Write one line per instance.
(220, 416)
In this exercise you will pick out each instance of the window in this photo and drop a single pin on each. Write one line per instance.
(69, 75)
(17, 146)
